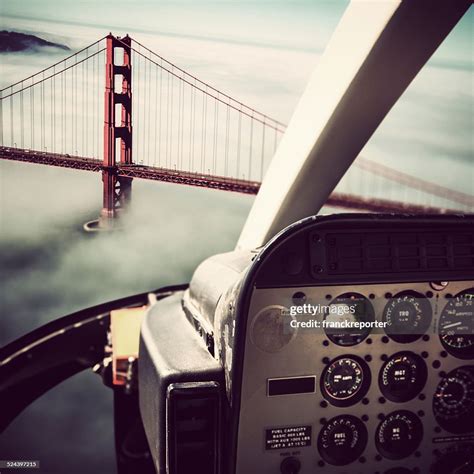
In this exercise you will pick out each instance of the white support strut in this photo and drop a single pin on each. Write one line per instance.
(375, 52)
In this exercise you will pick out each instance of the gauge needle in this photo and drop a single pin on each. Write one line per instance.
(452, 325)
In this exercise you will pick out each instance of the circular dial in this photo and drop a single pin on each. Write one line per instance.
(271, 330)
(348, 307)
(408, 315)
(457, 459)
(345, 380)
(399, 434)
(456, 325)
(403, 376)
(453, 401)
(342, 440)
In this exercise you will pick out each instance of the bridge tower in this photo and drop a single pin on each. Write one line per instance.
(117, 106)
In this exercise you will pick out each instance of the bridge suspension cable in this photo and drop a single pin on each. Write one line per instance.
(57, 110)
(186, 124)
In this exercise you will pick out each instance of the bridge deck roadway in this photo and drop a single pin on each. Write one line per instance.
(339, 200)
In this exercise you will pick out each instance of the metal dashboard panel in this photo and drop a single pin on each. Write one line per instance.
(306, 353)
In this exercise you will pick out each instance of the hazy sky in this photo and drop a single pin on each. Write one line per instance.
(304, 25)
(272, 22)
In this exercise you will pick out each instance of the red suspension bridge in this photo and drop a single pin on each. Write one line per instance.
(184, 131)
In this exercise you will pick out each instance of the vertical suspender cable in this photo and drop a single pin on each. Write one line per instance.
(149, 111)
(167, 118)
(42, 114)
(190, 125)
(51, 111)
(97, 97)
(160, 108)
(53, 87)
(204, 132)
(76, 107)
(138, 107)
(239, 135)
(73, 114)
(93, 107)
(263, 149)
(32, 114)
(22, 126)
(155, 102)
(62, 111)
(216, 134)
(12, 137)
(86, 106)
(179, 125)
(1, 118)
(171, 119)
(182, 121)
(144, 106)
(227, 130)
(191, 135)
(250, 147)
(146, 110)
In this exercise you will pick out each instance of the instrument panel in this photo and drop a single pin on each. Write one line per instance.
(392, 399)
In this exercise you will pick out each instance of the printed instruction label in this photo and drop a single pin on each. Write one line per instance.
(288, 437)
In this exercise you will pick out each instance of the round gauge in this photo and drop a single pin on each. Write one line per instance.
(342, 440)
(271, 330)
(453, 401)
(345, 380)
(402, 376)
(350, 307)
(408, 315)
(456, 325)
(457, 459)
(399, 434)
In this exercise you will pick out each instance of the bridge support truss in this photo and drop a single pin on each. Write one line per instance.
(117, 105)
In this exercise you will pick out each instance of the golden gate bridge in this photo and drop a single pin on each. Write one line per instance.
(184, 131)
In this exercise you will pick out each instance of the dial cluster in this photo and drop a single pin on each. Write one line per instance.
(402, 377)
(343, 438)
(345, 381)
(408, 315)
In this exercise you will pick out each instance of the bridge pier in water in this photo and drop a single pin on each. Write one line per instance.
(116, 190)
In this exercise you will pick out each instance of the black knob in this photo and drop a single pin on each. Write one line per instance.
(290, 465)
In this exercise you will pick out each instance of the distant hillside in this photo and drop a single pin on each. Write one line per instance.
(12, 42)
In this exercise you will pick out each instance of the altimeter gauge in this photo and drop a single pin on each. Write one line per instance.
(456, 325)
